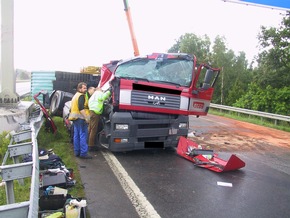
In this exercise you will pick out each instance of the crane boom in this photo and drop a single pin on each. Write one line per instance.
(130, 23)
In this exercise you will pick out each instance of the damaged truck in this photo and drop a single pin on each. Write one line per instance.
(152, 99)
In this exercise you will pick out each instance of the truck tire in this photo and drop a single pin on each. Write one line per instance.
(55, 102)
(58, 99)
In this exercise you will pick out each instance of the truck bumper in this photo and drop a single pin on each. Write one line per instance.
(146, 131)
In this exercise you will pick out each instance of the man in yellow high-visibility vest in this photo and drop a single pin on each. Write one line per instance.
(79, 114)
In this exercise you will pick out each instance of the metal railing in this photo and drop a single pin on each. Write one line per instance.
(274, 117)
(22, 143)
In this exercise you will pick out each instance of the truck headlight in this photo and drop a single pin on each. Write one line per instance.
(183, 125)
(121, 140)
(122, 126)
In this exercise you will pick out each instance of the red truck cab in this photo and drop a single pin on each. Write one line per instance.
(152, 97)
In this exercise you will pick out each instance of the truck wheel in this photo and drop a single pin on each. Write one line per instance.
(55, 102)
(58, 99)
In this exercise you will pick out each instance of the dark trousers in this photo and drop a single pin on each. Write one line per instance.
(93, 127)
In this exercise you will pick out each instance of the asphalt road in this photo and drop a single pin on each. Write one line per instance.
(159, 183)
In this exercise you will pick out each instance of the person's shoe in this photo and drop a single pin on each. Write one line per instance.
(86, 157)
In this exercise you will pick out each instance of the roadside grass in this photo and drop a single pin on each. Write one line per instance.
(281, 125)
(60, 143)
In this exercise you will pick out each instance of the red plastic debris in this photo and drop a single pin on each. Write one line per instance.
(191, 151)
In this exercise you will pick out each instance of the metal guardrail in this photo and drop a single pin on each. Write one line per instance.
(24, 95)
(22, 143)
(274, 117)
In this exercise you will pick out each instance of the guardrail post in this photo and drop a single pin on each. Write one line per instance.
(12, 172)
(18, 150)
(9, 188)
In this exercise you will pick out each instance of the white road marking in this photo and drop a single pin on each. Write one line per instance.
(139, 201)
(227, 184)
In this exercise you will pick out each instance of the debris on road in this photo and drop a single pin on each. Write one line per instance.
(226, 184)
(207, 158)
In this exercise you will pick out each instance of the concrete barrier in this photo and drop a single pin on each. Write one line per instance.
(12, 117)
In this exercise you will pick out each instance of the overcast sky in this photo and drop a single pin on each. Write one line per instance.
(69, 34)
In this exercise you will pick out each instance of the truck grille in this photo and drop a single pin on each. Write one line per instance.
(149, 99)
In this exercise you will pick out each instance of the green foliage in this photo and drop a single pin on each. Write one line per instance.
(282, 101)
(274, 60)
(192, 44)
(270, 89)
(4, 142)
(27, 98)
(21, 192)
(271, 100)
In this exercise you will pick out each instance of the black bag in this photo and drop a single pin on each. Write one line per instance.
(52, 162)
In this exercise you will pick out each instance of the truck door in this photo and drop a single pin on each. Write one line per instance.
(107, 71)
(202, 90)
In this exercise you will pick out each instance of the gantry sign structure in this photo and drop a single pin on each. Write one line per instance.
(274, 4)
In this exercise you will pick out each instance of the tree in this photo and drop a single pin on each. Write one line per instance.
(192, 44)
(274, 59)
(22, 74)
(241, 78)
(272, 100)
(270, 89)
(234, 76)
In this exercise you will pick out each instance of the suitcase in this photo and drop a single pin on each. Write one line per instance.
(51, 179)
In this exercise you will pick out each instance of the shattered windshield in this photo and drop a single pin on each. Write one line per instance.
(172, 71)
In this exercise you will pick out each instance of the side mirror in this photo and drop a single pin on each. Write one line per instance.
(207, 79)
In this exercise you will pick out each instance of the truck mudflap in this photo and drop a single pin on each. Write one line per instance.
(207, 158)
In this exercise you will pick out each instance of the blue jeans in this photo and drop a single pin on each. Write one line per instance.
(80, 137)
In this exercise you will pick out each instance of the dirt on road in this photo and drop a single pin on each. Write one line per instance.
(226, 134)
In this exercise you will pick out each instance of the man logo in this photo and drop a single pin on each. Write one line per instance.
(156, 100)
